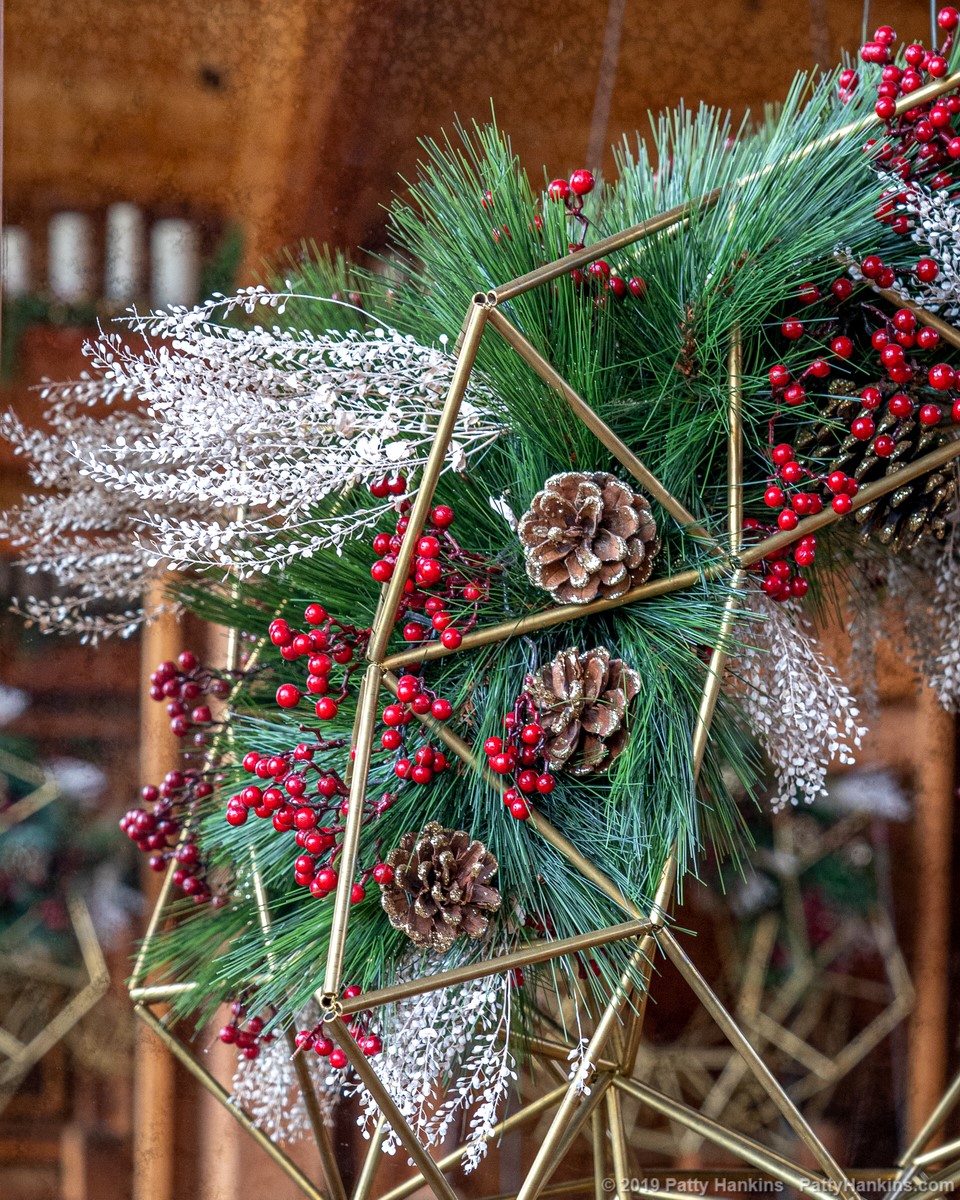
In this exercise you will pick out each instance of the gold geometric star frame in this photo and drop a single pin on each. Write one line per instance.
(587, 1101)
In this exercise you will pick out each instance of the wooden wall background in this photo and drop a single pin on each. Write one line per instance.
(294, 120)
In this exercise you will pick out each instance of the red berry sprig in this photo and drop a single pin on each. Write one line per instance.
(164, 831)
(519, 754)
(422, 764)
(446, 585)
(247, 1035)
(314, 1039)
(599, 278)
(185, 685)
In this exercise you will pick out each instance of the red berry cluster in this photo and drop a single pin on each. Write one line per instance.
(598, 277)
(247, 1036)
(519, 754)
(442, 577)
(329, 645)
(184, 684)
(310, 801)
(413, 700)
(315, 1040)
(163, 830)
(920, 143)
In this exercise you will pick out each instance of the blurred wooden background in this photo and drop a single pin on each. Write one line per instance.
(294, 121)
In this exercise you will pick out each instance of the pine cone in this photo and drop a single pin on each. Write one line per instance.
(588, 536)
(440, 887)
(583, 700)
(906, 515)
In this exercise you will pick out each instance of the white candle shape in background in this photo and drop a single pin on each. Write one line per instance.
(123, 261)
(174, 265)
(16, 262)
(70, 256)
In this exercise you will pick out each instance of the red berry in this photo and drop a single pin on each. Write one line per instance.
(842, 504)
(884, 446)
(773, 497)
(927, 338)
(842, 347)
(782, 453)
(788, 519)
(379, 489)
(794, 395)
(451, 638)
(792, 328)
(327, 878)
(927, 270)
(863, 428)
(442, 516)
(558, 190)
(288, 695)
(931, 414)
(280, 633)
(905, 320)
(791, 472)
(836, 481)
(382, 572)
(413, 631)
(637, 286)
(500, 763)
(842, 288)
(819, 368)
(799, 587)
(315, 614)
(545, 784)
(357, 893)
(582, 182)
(871, 397)
(441, 709)
(408, 686)
(948, 18)
(383, 873)
(326, 709)
(519, 810)
(326, 1049)
(779, 376)
(808, 293)
(942, 377)
(493, 745)
(871, 266)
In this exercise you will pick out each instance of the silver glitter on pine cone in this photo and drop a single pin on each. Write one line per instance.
(441, 887)
(583, 700)
(588, 536)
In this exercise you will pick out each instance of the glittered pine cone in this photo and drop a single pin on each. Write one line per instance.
(441, 887)
(588, 536)
(583, 700)
(916, 510)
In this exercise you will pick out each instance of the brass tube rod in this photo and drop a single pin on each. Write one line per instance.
(220, 1093)
(599, 1157)
(944, 1107)
(597, 426)
(758, 1067)
(683, 212)
(153, 993)
(367, 703)
(947, 1150)
(546, 1158)
(618, 1143)
(744, 1147)
(520, 1117)
(431, 1173)
(417, 516)
(371, 1160)
(549, 617)
(321, 1134)
(541, 951)
(559, 1052)
(607, 245)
